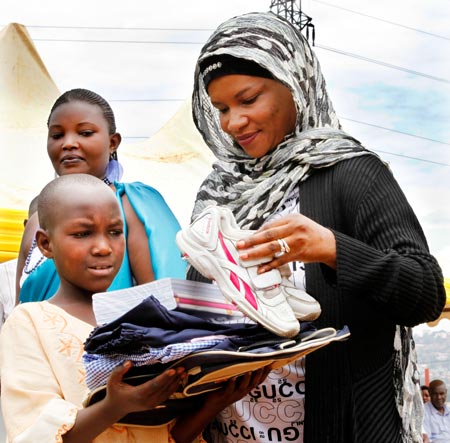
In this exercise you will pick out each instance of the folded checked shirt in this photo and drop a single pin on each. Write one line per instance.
(99, 366)
(155, 339)
(150, 334)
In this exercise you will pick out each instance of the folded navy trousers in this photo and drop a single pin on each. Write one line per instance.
(151, 324)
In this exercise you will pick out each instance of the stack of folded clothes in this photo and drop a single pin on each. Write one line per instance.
(156, 339)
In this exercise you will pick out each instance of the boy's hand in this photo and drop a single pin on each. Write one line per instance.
(189, 425)
(148, 395)
(236, 388)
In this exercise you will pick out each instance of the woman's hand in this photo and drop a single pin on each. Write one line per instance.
(306, 240)
(148, 395)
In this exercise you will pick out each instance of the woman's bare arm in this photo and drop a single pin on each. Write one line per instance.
(137, 243)
(25, 245)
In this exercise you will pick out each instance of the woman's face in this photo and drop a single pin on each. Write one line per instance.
(256, 112)
(79, 140)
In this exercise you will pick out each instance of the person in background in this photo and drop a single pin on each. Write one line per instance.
(7, 288)
(41, 343)
(8, 275)
(32, 208)
(333, 210)
(436, 420)
(425, 393)
(82, 138)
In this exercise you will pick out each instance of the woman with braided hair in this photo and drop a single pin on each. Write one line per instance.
(82, 138)
(287, 169)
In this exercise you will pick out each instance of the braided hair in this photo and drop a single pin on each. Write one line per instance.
(87, 96)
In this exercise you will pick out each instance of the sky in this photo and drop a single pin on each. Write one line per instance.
(386, 64)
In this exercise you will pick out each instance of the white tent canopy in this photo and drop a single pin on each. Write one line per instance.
(27, 94)
(175, 161)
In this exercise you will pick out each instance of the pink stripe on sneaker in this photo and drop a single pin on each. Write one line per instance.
(250, 296)
(227, 251)
(235, 279)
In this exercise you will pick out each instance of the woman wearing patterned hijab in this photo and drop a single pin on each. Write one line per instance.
(285, 167)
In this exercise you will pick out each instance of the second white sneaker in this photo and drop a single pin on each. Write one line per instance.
(305, 307)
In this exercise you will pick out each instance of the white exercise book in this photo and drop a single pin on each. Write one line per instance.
(202, 299)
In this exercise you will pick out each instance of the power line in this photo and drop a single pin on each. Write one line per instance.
(384, 20)
(412, 158)
(114, 28)
(146, 100)
(395, 130)
(387, 65)
(119, 28)
(151, 42)
(327, 48)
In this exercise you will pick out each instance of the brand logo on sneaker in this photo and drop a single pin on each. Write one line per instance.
(235, 279)
(208, 225)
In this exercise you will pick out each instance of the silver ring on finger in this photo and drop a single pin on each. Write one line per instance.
(286, 247)
(282, 248)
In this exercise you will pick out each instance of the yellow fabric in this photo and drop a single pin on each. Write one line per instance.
(42, 378)
(447, 291)
(11, 230)
(446, 311)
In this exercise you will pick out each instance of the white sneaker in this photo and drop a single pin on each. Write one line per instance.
(209, 244)
(305, 307)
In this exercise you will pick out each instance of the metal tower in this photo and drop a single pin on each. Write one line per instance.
(292, 11)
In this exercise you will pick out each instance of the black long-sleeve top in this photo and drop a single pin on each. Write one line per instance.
(385, 276)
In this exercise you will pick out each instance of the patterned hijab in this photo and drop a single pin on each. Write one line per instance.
(255, 188)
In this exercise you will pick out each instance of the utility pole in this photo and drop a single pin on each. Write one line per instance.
(291, 10)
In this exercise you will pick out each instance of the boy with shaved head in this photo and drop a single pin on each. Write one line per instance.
(42, 373)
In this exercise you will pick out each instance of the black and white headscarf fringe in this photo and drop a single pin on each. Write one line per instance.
(255, 188)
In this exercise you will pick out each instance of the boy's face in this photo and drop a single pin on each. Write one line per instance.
(86, 241)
